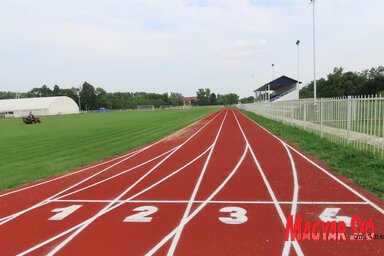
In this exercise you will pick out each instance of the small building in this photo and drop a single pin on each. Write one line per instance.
(282, 88)
(188, 100)
(38, 106)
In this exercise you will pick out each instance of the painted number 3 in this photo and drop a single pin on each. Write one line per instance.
(237, 215)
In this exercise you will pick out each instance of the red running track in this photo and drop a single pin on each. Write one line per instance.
(222, 186)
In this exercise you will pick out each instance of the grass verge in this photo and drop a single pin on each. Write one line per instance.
(364, 169)
(62, 143)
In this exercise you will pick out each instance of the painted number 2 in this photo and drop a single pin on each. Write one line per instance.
(64, 212)
(237, 215)
(143, 214)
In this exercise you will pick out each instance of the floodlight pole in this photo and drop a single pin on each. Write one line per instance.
(269, 85)
(253, 86)
(298, 65)
(314, 54)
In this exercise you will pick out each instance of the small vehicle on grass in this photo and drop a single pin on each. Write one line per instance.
(31, 119)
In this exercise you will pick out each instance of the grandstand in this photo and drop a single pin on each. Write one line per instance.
(282, 88)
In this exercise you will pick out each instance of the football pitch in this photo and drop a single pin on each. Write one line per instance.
(62, 143)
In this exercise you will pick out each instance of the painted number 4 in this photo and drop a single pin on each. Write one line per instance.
(237, 215)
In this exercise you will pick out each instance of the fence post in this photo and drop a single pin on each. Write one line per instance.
(349, 114)
(305, 115)
(321, 117)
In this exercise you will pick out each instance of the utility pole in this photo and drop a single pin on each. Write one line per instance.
(314, 53)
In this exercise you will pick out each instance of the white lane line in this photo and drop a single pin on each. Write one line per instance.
(379, 209)
(45, 201)
(287, 244)
(121, 202)
(64, 176)
(210, 202)
(269, 188)
(96, 165)
(103, 211)
(15, 215)
(49, 240)
(195, 190)
(200, 207)
(116, 175)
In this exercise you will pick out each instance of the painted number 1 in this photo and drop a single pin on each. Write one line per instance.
(64, 212)
(237, 215)
(143, 214)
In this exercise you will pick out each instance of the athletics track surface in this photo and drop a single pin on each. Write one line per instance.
(222, 186)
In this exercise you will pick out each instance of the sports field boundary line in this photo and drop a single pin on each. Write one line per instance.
(379, 209)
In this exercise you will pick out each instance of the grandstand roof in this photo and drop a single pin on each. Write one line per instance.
(277, 83)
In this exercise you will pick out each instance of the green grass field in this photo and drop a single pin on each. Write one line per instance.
(62, 143)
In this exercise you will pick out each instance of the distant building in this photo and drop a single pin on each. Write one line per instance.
(188, 100)
(282, 88)
(38, 106)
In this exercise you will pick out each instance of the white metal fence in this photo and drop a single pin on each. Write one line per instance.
(357, 121)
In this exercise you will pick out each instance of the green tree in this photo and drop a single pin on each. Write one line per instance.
(101, 97)
(233, 98)
(88, 96)
(203, 96)
(212, 99)
(227, 99)
(176, 99)
(249, 99)
(43, 91)
(56, 91)
(338, 83)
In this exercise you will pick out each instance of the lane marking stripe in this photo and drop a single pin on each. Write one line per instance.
(210, 202)
(270, 191)
(176, 238)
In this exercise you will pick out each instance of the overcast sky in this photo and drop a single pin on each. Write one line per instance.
(182, 45)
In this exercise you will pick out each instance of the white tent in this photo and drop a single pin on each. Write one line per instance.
(38, 106)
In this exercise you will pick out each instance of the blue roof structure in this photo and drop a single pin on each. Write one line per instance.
(278, 83)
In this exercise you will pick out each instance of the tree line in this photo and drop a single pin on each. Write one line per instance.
(91, 98)
(206, 97)
(341, 83)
